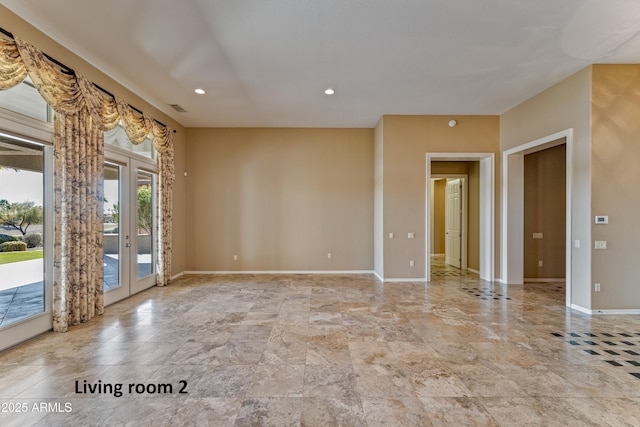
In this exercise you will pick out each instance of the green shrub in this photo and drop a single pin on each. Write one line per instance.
(32, 240)
(7, 238)
(13, 246)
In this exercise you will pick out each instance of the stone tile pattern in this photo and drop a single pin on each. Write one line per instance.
(329, 350)
(621, 349)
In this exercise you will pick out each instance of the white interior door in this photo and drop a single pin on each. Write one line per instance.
(453, 223)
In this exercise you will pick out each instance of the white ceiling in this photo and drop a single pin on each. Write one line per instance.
(267, 62)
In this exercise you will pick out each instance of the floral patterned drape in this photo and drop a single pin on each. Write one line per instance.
(82, 113)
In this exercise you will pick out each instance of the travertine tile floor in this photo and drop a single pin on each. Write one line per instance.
(329, 351)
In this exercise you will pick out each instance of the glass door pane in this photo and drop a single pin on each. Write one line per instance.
(24, 239)
(145, 222)
(116, 229)
(111, 226)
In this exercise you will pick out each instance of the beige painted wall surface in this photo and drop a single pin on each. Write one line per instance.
(280, 199)
(616, 173)
(18, 27)
(544, 212)
(567, 105)
(407, 139)
(180, 212)
(439, 205)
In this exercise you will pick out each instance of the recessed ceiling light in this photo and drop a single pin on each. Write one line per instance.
(329, 91)
(200, 91)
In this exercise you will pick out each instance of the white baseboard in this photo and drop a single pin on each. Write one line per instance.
(538, 280)
(335, 272)
(380, 278)
(417, 279)
(613, 311)
(580, 309)
(177, 276)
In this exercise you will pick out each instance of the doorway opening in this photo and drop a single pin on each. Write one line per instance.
(485, 216)
(513, 210)
(449, 222)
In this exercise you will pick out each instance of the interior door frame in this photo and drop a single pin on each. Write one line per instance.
(487, 209)
(512, 247)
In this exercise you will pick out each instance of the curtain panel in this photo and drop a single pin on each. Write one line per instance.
(82, 114)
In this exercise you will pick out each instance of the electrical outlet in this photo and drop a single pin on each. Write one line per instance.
(410, 235)
(235, 257)
(391, 235)
(411, 263)
(597, 287)
(328, 255)
(540, 263)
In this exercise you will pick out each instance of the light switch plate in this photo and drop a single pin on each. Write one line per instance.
(537, 235)
(601, 244)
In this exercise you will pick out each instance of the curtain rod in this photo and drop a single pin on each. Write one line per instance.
(70, 71)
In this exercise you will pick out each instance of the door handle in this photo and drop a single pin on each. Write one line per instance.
(127, 245)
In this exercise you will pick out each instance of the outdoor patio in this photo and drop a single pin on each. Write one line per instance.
(27, 300)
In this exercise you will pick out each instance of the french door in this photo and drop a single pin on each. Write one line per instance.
(129, 226)
(26, 239)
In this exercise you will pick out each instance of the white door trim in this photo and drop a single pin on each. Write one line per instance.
(487, 208)
(512, 217)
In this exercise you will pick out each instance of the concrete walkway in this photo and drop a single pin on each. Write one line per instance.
(21, 273)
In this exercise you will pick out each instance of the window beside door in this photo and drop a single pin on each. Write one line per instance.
(22, 233)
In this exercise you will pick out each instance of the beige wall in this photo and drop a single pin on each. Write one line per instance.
(180, 208)
(438, 216)
(567, 105)
(544, 212)
(18, 27)
(615, 168)
(280, 199)
(406, 140)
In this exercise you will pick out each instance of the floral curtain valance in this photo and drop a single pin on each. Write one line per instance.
(83, 112)
(69, 93)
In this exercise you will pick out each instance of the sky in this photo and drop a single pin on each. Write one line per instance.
(21, 186)
(26, 185)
